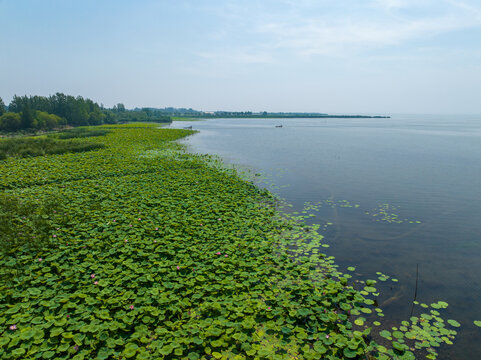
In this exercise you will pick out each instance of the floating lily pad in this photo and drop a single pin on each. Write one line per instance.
(359, 322)
(453, 323)
(386, 334)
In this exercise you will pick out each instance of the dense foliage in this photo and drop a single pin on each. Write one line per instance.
(28, 147)
(80, 132)
(28, 120)
(142, 115)
(159, 254)
(2, 107)
(24, 223)
(46, 113)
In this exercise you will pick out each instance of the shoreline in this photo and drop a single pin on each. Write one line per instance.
(177, 258)
(277, 116)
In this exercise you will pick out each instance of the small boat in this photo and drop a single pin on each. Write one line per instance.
(188, 128)
(279, 125)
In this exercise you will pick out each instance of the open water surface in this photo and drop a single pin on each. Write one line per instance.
(424, 169)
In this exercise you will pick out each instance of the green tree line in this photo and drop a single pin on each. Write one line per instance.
(32, 113)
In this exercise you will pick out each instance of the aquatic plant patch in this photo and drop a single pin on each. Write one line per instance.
(386, 213)
(31, 147)
(24, 224)
(80, 132)
(159, 254)
(382, 213)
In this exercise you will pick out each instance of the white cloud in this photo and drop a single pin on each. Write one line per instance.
(318, 37)
(343, 30)
(474, 10)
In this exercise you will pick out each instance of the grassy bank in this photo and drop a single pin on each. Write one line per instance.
(147, 252)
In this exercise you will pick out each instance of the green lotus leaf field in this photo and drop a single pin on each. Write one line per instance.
(139, 250)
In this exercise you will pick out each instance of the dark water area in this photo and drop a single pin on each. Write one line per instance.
(424, 169)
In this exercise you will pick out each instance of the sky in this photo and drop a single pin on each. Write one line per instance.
(337, 56)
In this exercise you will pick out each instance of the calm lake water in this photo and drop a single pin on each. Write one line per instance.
(424, 169)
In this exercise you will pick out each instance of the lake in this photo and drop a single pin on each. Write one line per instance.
(401, 196)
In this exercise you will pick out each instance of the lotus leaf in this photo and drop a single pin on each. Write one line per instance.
(154, 252)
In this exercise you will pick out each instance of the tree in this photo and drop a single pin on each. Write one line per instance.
(48, 121)
(59, 104)
(2, 107)
(96, 118)
(27, 117)
(79, 115)
(147, 111)
(10, 122)
(110, 117)
(17, 103)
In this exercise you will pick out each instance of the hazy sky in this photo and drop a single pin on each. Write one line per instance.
(336, 56)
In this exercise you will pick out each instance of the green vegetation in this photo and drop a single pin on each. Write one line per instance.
(2, 107)
(183, 113)
(382, 213)
(40, 113)
(80, 132)
(46, 113)
(28, 147)
(142, 115)
(24, 223)
(152, 253)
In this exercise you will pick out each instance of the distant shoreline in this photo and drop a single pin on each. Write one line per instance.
(284, 116)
